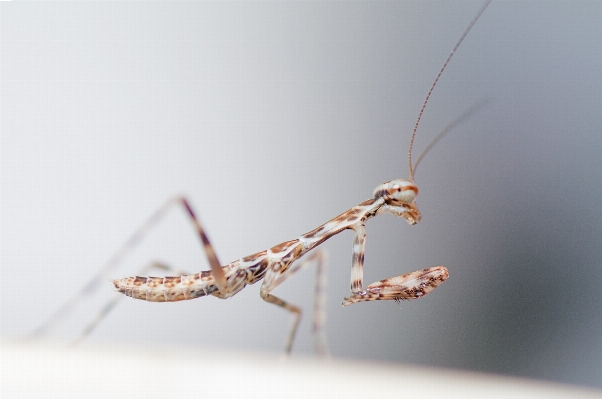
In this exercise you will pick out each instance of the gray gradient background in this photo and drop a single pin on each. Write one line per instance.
(274, 118)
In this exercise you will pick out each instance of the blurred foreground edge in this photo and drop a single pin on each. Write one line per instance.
(49, 369)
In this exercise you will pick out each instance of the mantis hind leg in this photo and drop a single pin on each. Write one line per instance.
(103, 274)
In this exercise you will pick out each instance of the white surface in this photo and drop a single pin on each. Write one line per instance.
(154, 371)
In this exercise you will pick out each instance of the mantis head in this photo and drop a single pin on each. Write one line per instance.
(399, 196)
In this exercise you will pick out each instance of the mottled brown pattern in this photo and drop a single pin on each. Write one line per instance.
(188, 279)
(170, 282)
(139, 294)
(196, 294)
(233, 266)
(350, 214)
(341, 222)
(368, 202)
(154, 296)
(138, 281)
(173, 296)
(413, 285)
(283, 246)
(254, 257)
(313, 233)
(291, 256)
(152, 282)
(236, 282)
(257, 271)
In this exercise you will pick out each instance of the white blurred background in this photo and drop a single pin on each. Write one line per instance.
(275, 117)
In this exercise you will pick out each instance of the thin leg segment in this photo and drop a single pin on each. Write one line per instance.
(274, 278)
(319, 316)
(295, 311)
(122, 253)
(357, 261)
(216, 268)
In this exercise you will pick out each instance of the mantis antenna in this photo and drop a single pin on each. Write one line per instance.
(474, 20)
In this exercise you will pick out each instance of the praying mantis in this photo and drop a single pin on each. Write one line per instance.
(276, 264)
